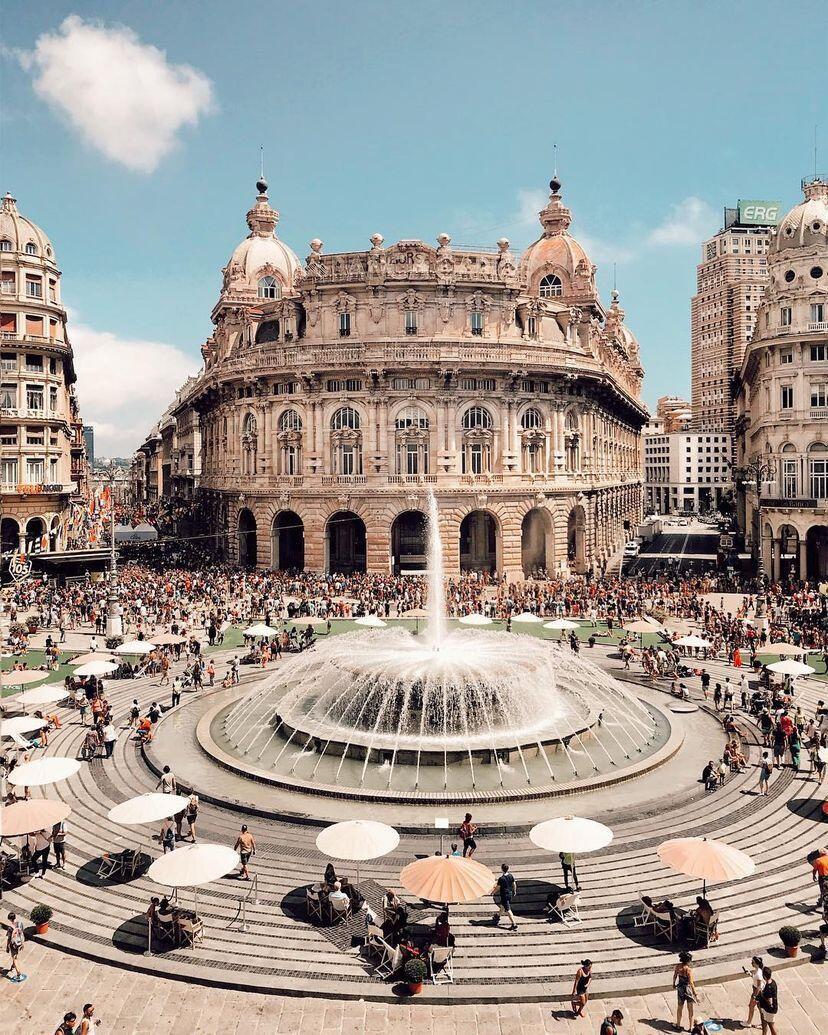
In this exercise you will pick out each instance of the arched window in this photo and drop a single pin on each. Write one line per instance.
(477, 417)
(551, 287)
(5, 245)
(30, 249)
(249, 427)
(345, 417)
(269, 287)
(411, 417)
(533, 441)
(572, 441)
(531, 419)
(412, 441)
(818, 464)
(290, 421)
(290, 443)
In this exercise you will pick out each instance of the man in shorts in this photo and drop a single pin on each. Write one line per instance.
(467, 831)
(245, 846)
(15, 939)
(768, 1002)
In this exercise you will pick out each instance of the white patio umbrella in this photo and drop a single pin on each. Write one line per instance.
(783, 649)
(643, 625)
(21, 676)
(790, 667)
(50, 693)
(371, 621)
(561, 623)
(167, 639)
(191, 866)
(823, 756)
(709, 859)
(147, 808)
(475, 620)
(261, 630)
(25, 817)
(43, 771)
(135, 647)
(691, 641)
(570, 834)
(526, 618)
(96, 668)
(448, 879)
(357, 839)
(306, 620)
(21, 724)
(91, 655)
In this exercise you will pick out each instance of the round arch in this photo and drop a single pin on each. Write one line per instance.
(537, 542)
(576, 538)
(345, 543)
(816, 545)
(408, 542)
(247, 531)
(480, 544)
(9, 535)
(287, 542)
(35, 531)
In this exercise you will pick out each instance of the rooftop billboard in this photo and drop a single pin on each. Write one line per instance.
(759, 213)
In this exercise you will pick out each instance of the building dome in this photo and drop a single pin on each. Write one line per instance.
(21, 233)
(806, 225)
(556, 254)
(261, 254)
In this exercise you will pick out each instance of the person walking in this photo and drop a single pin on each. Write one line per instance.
(765, 769)
(568, 866)
(40, 853)
(245, 846)
(88, 1021)
(59, 844)
(768, 1002)
(176, 691)
(67, 1025)
(685, 988)
(609, 1026)
(580, 988)
(110, 738)
(15, 940)
(192, 816)
(755, 974)
(167, 782)
(506, 887)
(467, 831)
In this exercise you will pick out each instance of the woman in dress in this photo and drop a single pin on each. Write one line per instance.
(192, 816)
(580, 988)
(756, 981)
(685, 988)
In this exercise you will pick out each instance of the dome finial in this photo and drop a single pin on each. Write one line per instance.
(555, 183)
(261, 183)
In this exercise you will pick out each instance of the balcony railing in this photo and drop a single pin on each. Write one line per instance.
(818, 326)
(343, 479)
(412, 479)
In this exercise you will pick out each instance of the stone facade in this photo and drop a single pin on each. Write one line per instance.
(41, 434)
(337, 393)
(783, 397)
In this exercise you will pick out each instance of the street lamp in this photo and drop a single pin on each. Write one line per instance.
(114, 620)
(755, 473)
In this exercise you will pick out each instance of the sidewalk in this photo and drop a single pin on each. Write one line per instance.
(129, 1004)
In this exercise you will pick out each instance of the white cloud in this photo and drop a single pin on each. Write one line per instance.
(122, 95)
(124, 385)
(688, 222)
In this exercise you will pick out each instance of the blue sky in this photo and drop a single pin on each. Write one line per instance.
(407, 119)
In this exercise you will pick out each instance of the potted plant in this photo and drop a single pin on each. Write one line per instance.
(790, 937)
(32, 624)
(40, 917)
(415, 972)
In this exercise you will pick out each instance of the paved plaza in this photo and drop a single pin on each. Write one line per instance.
(504, 982)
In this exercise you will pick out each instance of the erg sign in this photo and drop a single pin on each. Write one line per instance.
(759, 213)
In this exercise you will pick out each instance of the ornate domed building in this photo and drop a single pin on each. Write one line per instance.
(782, 426)
(337, 392)
(41, 434)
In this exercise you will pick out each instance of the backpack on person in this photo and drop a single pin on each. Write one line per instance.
(16, 935)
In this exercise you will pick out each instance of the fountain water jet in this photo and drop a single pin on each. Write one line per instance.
(478, 708)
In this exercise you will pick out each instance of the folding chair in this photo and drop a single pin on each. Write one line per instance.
(111, 865)
(165, 928)
(391, 960)
(192, 931)
(314, 905)
(705, 933)
(566, 908)
(339, 910)
(440, 956)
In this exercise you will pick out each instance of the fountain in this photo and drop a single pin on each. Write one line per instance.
(448, 711)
